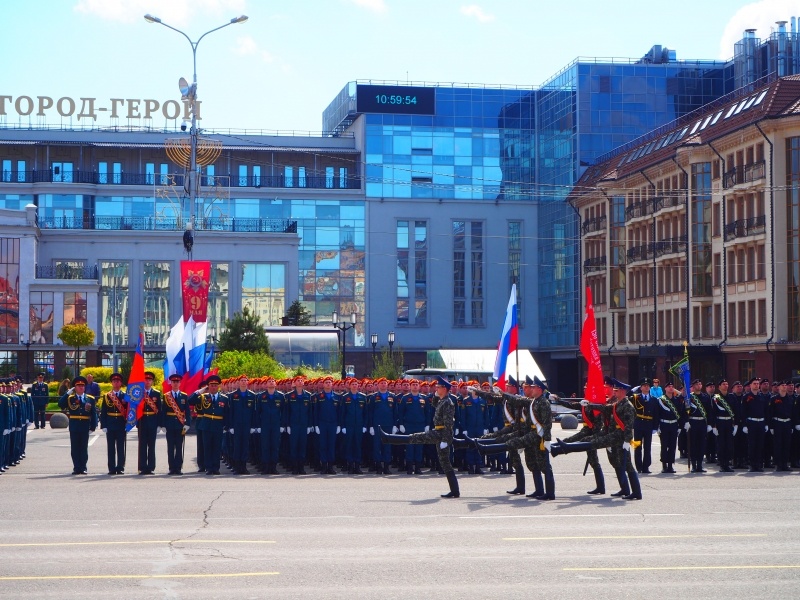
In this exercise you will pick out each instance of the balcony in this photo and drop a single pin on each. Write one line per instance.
(654, 250)
(65, 272)
(167, 224)
(598, 263)
(745, 227)
(317, 182)
(745, 174)
(594, 225)
(638, 209)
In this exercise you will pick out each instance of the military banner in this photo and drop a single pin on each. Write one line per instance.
(195, 279)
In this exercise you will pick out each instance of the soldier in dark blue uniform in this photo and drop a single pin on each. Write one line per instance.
(5, 425)
(668, 421)
(213, 405)
(176, 419)
(80, 409)
(242, 409)
(195, 402)
(782, 412)
(26, 414)
(734, 399)
(724, 420)
(40, 394)
(148, 424)
(412, 416)
(796, 433)
(697, 425)
(475, 421)
(755, 423)
(298, 424)
(382, 414)
(354, 409)
(327, 424)
(643, 427)
(113, 418)
(269, 417)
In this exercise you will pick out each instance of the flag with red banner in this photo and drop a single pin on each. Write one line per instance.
(595, 391)
(195, 279)
(135, 388)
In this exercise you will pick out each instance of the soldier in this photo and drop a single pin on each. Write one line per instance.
(214, 408)
(755, 414)
(697, 425)
(5, 425)
(734, 400)
(668, 421)
(711, 439)
(176, 420)
(26, 414)
(327, 424)
(724, 419)
(765, 392)
(40, 394)
(413, 416)
(441, 435)
(269, 416)
(195, 402)
(354, 408)
(645, 406)
(620, 416)
(796, 432)
(113, 418)
(781, 412)
(475, 421)
(382, 414)
(241, 419)
(298, 424)
(80, 409)
(147, 425)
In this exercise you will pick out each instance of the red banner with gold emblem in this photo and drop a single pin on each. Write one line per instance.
(195, 279)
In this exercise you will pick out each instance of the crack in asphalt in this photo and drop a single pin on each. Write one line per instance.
(217, 553)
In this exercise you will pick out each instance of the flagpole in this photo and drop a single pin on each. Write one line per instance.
(516, 310)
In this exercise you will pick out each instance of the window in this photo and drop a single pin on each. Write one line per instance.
(74, 308)
(149, 173)
(242, 175)
(747, 369)
(41, 320)
(6, 170)
(9, 299)
(257, 175)
(468, 273)
(210, 175)
(114, 284)
(155, 299)
(117, 173)
(731, 319)
(329, 177)
(701, 229)
(301, 177)
(343, 178)
(217, 298)
(264, 291)
(717, 269)
(62, 172)
(102, 172)
(164, 172)
(515, 264)
(288, 176)
(762, 317)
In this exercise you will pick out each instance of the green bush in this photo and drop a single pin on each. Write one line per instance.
(100, 374)
(233, 363)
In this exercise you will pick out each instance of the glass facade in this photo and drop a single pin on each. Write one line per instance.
(114, 290)
(41, 321)
(793, 236)
(515, 262)
(155, 296)
(74, 308)
(468, 274)
(264, 291)
(9, 290)
(701, 229)
(217, 299)
(15, 201)
(412, 273)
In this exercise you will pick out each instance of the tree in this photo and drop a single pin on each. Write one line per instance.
(77, 335)
(297, 315)
(243, 331)
(389, 365)
(233, 363)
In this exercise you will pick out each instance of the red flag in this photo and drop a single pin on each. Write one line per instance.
(595, 391)
(135, 388)
(195, 278)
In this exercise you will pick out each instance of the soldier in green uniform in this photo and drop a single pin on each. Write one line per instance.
(82, 420)
(40, 394)
(441, 434)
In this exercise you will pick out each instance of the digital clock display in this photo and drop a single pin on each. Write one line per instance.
(396, 99)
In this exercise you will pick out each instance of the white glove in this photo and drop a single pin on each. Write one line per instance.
(70, 390)
(27, 422)
(427, 428)
(772, 432)
(466, 433)
(372, 431)
(496, 390)
(104, 430)
(473, 388)
(584, 402)
(797, 427)
(735, 429)
(252, 430)
(456, 433)
(284, 429)
(363, 430)
(658, 431)
(344, 430)
(316, 429)
(230, 430)
(442, 445)
(547, 446)
(258, 429)
(688, 426)
(6, 431)
(715, 431)
(485, 432)
(309, 430)
(394, 429)
(185, 428)
(338, 429)
(494, 429)
(744, 429)
(163, 429)
(402, 428)
(766, 429)
(655, 431)
(626, 446)
(708, 428)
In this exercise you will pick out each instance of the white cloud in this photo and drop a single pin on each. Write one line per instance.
(476, 12)
(760, 16)
(174, 12)
(247, 46)
(378, 6)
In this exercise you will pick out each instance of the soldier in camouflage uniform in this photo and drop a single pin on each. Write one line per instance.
(620, 417)
(441, 434)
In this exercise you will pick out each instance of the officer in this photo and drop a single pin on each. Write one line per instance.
(176, 419)
(26, 414)
(113, 418)
(711, 438)
(645, 406)
(242, 423)
(269, 417)
(80, 409)
(5, 425)
(725, 421)
(196, 401)
(755, 423)
(354, 408)
(441, 434)
(40, 394)
(697, 425)
(668, 421)
(147, 425)
(213, 405)
(781, 412)
(413, 416)
(382, 415)
(327, 419)
(298, 424)
(766, 394)
(735, 399)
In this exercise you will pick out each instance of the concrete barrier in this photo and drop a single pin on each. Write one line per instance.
(569, 422)
(59, 421)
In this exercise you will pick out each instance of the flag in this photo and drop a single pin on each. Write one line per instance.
(135, 388)
(209, 360)
(174, 347)
(681, 370)
(508, 339)
(595, 390)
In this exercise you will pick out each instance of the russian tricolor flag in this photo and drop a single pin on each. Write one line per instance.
(508, 339)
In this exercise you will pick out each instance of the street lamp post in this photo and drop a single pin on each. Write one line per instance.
(190, 93)
(391, 343)
(343, 327)
(27, 356)
(374, 341)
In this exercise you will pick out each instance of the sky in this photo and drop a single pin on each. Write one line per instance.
(280, 69)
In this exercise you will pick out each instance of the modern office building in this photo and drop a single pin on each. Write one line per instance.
(416, 209)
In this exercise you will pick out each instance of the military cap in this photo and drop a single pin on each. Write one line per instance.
(787, 382)
(41, 374)
(328, 378)
(646, 381)
(669, 383)
(512, 381)
(696, 381)
(175, 377)
(528, 380)
(751, 380)
(710, 384)
(737, 382)
(721, 381)
(618, 385)
(609, 381)
(439, 381)
(115, 376)
(213, 379)
(539, 383)
(149, 375)
(79, 379)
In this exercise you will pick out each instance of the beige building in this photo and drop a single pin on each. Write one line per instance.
(692, 234)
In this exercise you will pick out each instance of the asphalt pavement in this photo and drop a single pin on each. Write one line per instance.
(95, 536)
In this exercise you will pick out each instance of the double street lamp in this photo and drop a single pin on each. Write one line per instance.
(189, 92)
(343, 327)
(373, 338)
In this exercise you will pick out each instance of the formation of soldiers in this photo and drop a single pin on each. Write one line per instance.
(16, 414)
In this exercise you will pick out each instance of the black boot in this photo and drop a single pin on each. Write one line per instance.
(451, 479)
(392, 438)
(599, 481)
(386, 470)
(243, 467)
(549, 486)
(409, 468)
(357, 469)
(567, 448)
(490, 448)
(520, 489)
(622, 478)
(636, 488)
(417, 470)
(538, 488)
